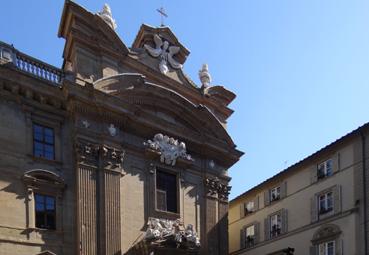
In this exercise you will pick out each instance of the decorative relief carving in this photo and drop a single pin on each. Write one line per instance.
(106, 15)
(204, 76)
(211, 164)
(86, 124)
(163, 230)
(113, 158)
(113, 131)
(326, 232)
(169, 148)
(215, 186)
(89, 153)
(165, 52)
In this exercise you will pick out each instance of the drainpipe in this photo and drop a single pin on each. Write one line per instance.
(363, 150)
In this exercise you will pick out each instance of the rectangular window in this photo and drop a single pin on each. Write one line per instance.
(325, 203)
(325, 169)
(249, 207)
(43, 142)
(327, 248)
(275, 225)
(275, 194)
(45, 211)
(166, 191)
(250, 236)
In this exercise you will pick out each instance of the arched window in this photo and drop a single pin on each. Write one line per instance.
(326, 241)
(44, 199)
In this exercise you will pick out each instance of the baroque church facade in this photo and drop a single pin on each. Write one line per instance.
(117, 151)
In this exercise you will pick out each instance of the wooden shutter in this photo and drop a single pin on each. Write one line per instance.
(242, 210)
(283, 188)
(314, 208)
(313, 173)
(266, 197)
(339, 246)
(257, 232)
(242, 238)
(284, 221)
(336, 163)
(256, 203)
(266, 228)
(336, 190)
(314, 250)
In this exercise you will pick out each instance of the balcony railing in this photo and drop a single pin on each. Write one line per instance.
(30, 65)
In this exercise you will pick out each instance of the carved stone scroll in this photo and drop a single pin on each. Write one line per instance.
(168, 148)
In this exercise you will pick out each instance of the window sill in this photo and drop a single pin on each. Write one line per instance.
(166, 215)
(44, 231)
(45, 160)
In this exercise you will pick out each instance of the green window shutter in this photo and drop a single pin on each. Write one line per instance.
(257, 232)
(313, 173)
(336, 198)
(242, 210)
(256, 203)
(284, 221)
(266, 197)
(283, 189)
(314, 250)
(266, 229)
(336, 163)
(242, 238)
(314, 208)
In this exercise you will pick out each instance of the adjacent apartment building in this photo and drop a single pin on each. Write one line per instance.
(115, 152)
(317, 206)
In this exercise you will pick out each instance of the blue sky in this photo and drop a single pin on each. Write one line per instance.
(300, 69)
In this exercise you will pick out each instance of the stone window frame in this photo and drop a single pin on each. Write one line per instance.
(282, 193)
(48, 121)
(323, 166)
(243, 207)
(325, 234)
(314, 169)
(153, 207)
(336, 192)
(243, 237)
(283, 213)
(40, 181)
(43, 141)
(328, 206)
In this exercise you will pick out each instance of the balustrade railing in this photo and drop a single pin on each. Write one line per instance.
(31, 65)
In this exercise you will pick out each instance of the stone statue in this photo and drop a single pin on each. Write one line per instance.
(162, 229)
(106, 15)
(204, 76)
(165, 52)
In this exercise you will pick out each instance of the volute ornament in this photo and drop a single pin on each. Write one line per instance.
(165, 53)
(169, 148)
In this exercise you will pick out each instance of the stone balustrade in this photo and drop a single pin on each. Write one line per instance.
(37, 68)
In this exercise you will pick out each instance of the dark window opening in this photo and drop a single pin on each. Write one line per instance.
(166, 191)
(43, 142)
(45, 211)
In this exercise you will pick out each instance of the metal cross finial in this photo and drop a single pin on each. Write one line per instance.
(162, 14)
